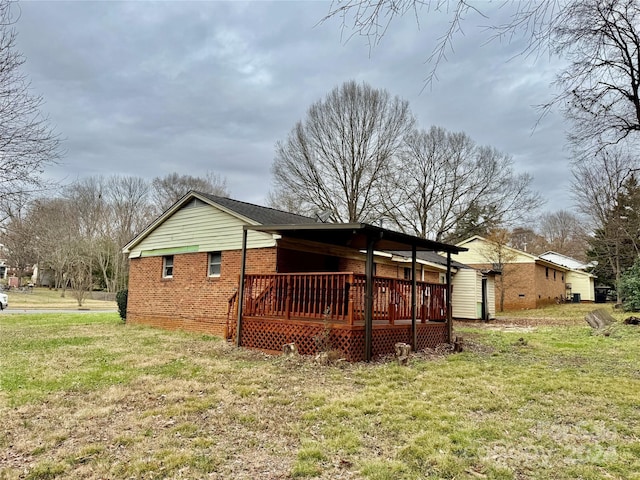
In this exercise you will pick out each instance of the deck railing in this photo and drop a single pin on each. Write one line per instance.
(339, 297)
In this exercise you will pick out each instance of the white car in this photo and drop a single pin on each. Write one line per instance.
(4, 301)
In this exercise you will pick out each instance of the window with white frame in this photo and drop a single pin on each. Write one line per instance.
(167, 266)
(215, 262)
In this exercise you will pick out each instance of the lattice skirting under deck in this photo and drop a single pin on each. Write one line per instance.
(272, 334)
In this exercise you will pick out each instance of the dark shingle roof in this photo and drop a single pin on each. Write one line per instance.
(262, 215)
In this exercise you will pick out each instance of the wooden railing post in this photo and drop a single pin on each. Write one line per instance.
(287, 302)
(350, 279)
(392, 301)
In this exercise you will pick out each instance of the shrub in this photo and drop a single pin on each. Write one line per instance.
(630, 288)
(121, 299)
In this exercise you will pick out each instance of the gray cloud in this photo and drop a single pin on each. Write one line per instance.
(146, 88)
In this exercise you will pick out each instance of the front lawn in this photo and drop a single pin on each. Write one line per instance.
(85, 396)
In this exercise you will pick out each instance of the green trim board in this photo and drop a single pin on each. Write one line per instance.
(170, 251)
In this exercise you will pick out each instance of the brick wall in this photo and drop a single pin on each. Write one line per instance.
(527, 285)
(194, 302)
(190, 300)
(385, 270)
(550, 285)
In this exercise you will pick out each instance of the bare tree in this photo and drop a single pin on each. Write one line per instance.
(55, 231)
(533, 20)
(27, 143)
(334, 159)
(501, 256)
(603, 185)
(565, 233)
(527, 240)
(18, 241)
(598, 180)
(599, 91)
(167, 190)
(128, 199)
(445, 186)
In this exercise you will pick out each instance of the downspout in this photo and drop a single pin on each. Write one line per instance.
(241, 287)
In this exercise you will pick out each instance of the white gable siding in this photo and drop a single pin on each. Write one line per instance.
(201, 228)
(581, 283)
(480, 252)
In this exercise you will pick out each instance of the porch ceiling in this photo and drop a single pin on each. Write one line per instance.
(356, 235)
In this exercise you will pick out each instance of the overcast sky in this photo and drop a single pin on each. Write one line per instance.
(146, 88)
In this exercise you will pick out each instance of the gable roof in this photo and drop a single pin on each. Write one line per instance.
(564, 260)
(247, 212)
(478, 238)
(534, 258)
(257, 213)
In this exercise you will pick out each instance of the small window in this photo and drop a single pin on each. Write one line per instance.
(167, 266)
(546, 272)
(407, 274)
(554, 275)
(215, 261)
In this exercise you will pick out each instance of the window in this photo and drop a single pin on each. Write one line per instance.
(554, 275)
(215, 261)
(167, 266)
(407, 273)
(546, 272)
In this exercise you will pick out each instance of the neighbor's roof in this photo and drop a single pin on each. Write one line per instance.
(564, 260)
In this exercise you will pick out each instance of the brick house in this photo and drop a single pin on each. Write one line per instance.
(580, 286)
(186, 268)
(530, 281)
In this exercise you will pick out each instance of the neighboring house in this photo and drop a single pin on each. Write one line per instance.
(580, 284)
(473, 295)
(4, 269)
(529, 280)
(299, 276)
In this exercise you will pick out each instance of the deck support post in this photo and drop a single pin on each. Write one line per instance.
(449, 309)
(414, 288)
(241, 287)
(368, 301)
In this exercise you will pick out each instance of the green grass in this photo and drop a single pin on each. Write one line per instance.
(85, 396)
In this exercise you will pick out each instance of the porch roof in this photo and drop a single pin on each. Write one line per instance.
(357, 236)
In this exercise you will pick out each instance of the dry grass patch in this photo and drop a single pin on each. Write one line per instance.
(43, 298)
(134, 402)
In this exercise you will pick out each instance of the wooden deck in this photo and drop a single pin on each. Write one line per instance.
(311, 308)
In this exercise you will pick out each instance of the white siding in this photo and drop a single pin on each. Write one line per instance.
(491, 295)
(204, 228)
(480, 252)
(582, 283)
(467, 293)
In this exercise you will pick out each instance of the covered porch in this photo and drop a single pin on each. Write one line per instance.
(362, 315)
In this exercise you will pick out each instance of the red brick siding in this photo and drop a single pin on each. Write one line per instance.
(293, 261)
(526, 286)
(190, 300)
(550, 285)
